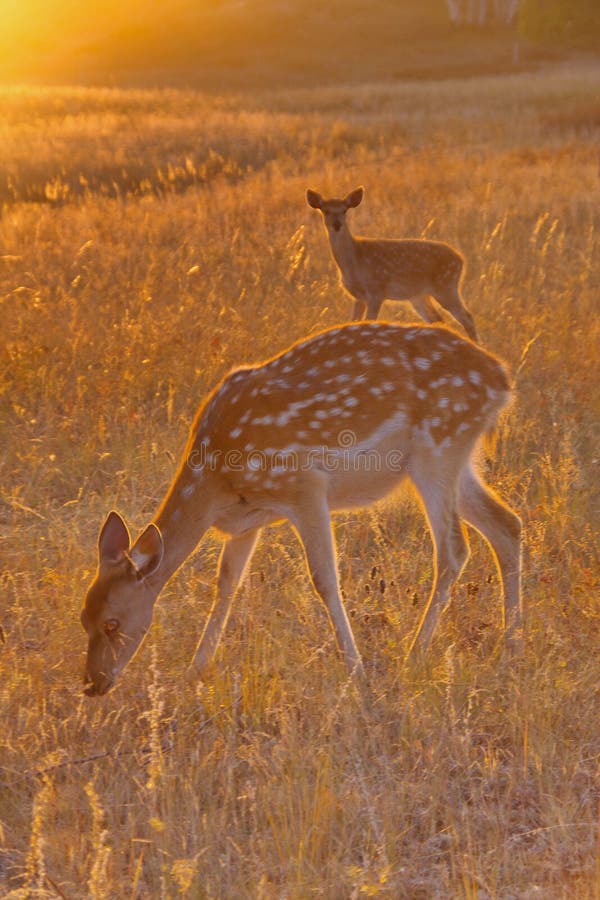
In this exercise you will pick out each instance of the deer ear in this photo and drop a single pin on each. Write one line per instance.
(114, 540)
(354, 198)
(313, 199)
(148, 551)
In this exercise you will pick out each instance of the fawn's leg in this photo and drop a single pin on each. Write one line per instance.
(234, 558)
(450, 299)
(314, 529)
(501, 528)
(373, 306)
(426, 308)
(360, 307)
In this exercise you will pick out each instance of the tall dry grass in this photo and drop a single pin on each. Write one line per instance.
(149, 241)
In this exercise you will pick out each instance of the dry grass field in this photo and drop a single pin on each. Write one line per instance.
(148, 242)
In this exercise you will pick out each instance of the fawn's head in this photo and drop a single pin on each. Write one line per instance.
(118, 607)
(334, 211)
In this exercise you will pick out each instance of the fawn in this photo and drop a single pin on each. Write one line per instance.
(376, 270)
(334, 422)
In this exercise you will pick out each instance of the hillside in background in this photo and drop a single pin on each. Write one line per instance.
(249, 43)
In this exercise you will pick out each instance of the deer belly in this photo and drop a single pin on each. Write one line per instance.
(366, 475)
(403, 287)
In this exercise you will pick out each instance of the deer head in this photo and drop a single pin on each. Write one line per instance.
(334, 211)
(119, 603)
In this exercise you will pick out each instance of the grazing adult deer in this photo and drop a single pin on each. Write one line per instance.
(376, 270)
(334, 422)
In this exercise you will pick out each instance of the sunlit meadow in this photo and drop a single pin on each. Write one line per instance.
(148, 242)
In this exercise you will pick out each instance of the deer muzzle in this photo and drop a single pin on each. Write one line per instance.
(95, 687)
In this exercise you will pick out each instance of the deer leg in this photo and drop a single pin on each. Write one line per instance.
(450, 299)
(314, 530)
(373, 306)
(359, 310)
(425, 307)
(451, 550)
(234, 558)
(501, 528)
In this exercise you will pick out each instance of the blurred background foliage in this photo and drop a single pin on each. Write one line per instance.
(220, 43)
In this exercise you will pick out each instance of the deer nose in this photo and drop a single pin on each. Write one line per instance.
(96, 688)
(88, 685)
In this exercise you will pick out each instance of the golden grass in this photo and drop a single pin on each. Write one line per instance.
(125, 295)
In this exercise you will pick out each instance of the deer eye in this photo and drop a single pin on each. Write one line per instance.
(111, 625)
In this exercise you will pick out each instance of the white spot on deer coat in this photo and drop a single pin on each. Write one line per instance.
(263, 420)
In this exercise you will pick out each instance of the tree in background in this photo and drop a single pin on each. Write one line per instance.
(560, 21)
(482, 12)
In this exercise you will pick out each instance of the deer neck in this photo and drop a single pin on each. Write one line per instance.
(183, 517)
(343, 248)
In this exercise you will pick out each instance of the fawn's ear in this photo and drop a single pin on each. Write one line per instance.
(313, 199)
(114, 541)
(354, 198)
(148, 551)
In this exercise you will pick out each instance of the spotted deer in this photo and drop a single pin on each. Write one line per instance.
(376, 270)
(335, 422)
